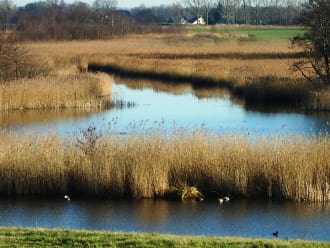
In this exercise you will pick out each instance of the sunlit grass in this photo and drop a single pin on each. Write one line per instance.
(150, 164)
(38, 237)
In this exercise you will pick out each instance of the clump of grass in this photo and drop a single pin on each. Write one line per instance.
(151, 165)
(63, 91)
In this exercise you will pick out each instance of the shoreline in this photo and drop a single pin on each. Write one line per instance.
(41, 237)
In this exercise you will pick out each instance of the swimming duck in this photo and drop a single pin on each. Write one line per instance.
(224, 199)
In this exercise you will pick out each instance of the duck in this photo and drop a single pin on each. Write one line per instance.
(224, 199)
(275, 234)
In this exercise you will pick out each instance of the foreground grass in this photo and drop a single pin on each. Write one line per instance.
(150, 164)
(28, 237)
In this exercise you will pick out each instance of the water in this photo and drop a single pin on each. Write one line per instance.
(236, 218)
(168, 106)
(165, 106)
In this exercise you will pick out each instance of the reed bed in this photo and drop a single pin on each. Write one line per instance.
(150, 164)
(256, 71)
(62, 91)
(154, 44)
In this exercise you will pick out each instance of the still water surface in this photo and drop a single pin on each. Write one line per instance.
(236, 218)
(167, 106)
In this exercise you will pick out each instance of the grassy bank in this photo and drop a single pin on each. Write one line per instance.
(60, 91)
(29, 237)
(151, 165)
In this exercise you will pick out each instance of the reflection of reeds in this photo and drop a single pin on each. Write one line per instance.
(8, 118)
(149, 165)
(76, 91)
(170, 87)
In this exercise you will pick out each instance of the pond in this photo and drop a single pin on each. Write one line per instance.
(152, 104)
(235, 218)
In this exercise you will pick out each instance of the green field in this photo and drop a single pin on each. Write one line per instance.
(269, 33)
(253, 32)
(36, 237)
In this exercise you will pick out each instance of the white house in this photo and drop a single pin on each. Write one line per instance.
(199, 21)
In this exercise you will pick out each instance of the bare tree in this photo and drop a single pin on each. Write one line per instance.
(244, 3)
(315, 42)
(107, 9)
(107, 5)
(208, 5)
(256, 5)
(6, 7)
(195, 5)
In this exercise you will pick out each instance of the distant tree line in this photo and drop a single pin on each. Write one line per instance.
(257, 12)
(53, 20)
(56, 20)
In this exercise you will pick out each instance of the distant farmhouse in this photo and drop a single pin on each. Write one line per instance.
(193, 21)
(199, 21)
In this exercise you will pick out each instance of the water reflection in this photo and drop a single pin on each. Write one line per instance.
(237, 218)
(26, 117)
(173, 105)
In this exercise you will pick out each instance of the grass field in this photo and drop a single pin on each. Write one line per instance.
(36, 237)
(269, 33)
(252, 32)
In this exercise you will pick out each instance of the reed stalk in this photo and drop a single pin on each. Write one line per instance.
(287, 167)
(62, 91)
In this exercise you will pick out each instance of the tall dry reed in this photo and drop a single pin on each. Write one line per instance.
(63, 91)
(150, 164)
(256, 71)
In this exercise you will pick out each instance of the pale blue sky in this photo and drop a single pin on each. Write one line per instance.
(121, 3)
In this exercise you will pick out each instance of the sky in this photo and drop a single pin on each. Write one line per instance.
(121, 3)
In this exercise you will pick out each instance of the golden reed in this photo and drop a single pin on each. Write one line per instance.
(255, 70)
(63, 91)
(149, 165)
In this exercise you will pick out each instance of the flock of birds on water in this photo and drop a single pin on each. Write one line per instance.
(221, 201)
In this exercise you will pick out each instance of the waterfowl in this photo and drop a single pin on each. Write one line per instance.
(224, 199)
(275, 234)
(66, 197)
